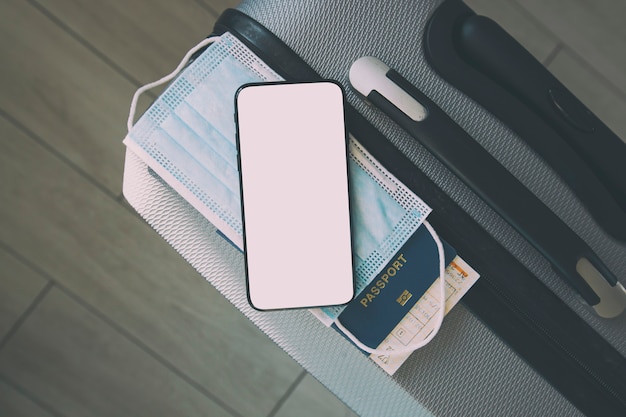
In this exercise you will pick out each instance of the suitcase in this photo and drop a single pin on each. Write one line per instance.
(523, 342)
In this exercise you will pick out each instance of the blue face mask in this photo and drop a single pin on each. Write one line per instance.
(188, 137)
(189, 133)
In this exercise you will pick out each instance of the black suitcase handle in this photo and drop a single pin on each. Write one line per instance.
(484, 44)
(479, 58)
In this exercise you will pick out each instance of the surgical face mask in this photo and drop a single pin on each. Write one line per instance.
(187, 137)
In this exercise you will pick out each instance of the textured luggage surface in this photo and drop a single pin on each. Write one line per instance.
(466, 370)
(398, 42)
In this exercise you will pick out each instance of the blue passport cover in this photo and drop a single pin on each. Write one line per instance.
(374, 312)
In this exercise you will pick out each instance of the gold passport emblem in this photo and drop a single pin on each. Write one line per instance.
(404, 297)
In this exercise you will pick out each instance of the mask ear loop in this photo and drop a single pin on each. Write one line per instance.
(440, 314)
(170, 76)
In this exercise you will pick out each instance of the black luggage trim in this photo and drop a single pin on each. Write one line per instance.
(467, 51)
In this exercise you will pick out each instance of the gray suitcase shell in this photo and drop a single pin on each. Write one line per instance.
(467, 369)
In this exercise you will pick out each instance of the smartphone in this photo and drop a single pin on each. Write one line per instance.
(293, 167)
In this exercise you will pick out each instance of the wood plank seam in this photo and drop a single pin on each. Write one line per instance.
(52, 282)
(26, 313)
(26, 393)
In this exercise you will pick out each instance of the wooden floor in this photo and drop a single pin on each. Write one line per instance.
(98, 316)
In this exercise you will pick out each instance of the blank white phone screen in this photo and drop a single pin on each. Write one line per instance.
(294, 188)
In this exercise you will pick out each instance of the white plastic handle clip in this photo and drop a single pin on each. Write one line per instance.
(369, 74)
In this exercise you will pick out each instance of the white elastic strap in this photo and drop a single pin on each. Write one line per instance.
(170, 76)
(440, 314)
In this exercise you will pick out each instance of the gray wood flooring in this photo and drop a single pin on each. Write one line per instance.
(98, 315)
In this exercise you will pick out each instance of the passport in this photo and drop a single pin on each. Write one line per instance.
(376, 310)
